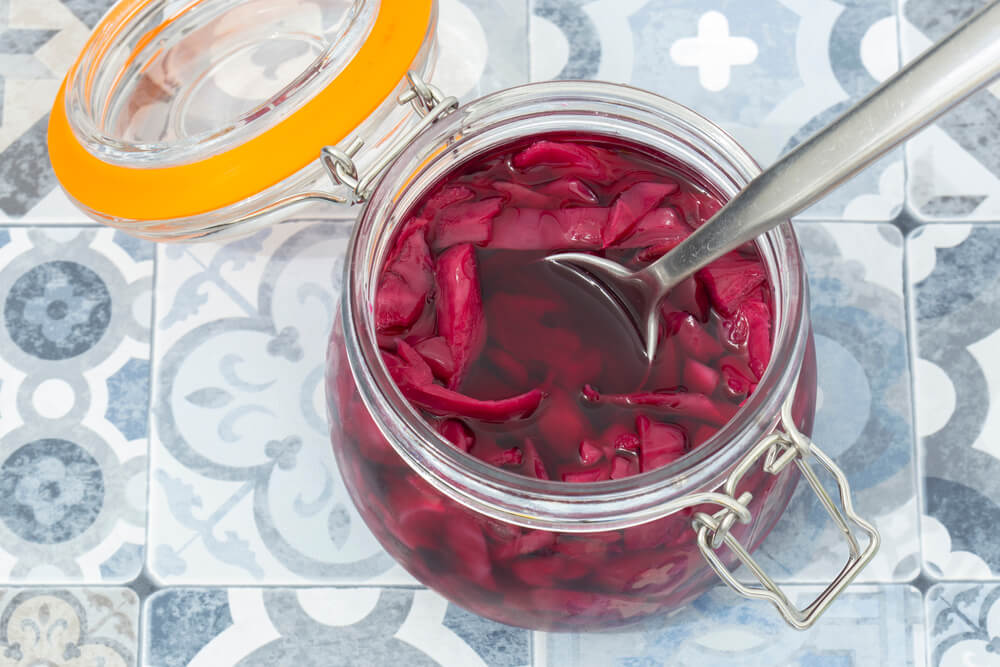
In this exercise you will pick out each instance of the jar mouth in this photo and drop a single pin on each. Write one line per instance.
(262, 168)
(594, 108)
(176, 82)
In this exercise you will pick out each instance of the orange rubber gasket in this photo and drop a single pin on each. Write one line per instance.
(163, 193)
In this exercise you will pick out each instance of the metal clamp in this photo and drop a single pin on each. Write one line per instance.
(778, 450)
(431, 105)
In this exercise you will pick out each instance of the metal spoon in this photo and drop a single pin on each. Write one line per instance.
(944, 75)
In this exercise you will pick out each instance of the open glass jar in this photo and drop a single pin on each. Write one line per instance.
(549, 554)
(141, 141)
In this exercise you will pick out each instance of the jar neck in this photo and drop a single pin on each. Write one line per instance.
(708, 156)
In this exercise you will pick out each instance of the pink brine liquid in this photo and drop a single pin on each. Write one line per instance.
(521, 365)
(518, 365)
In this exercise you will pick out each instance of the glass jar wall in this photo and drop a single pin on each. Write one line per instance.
(535, 553)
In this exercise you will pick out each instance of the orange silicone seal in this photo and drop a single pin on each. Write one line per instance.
(163, 193)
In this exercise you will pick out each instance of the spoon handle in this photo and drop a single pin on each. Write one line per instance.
(942, 76)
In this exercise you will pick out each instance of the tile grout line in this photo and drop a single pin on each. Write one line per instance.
(913, 352)
(910, 322)
(909, 210)
(537, 649)
(46, 226)
(420, 587)
(140, 631)
(300, 586)
(905, 208)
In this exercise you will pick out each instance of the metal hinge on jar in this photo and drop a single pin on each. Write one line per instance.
(778, 450)
(429, 102)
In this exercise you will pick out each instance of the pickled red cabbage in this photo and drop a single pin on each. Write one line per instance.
(526, 370)
(406, 282)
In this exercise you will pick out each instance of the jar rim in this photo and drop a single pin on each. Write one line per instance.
(507, 496)
(98, 86)
(214, 179)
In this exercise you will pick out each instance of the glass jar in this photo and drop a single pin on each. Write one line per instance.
(551, 555)
(184, 121)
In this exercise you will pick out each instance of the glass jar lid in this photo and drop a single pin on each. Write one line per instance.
(178, 108)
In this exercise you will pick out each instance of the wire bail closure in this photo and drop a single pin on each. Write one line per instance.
(778, 450)
(429, 102)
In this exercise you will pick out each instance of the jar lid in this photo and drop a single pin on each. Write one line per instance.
(177, 108)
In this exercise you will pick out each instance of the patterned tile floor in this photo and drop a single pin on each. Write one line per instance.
(167, 493)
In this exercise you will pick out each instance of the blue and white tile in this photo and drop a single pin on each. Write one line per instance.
(75, 627)
(73, 404)
(770, 72)
(213, 627)
(963, 621)
(244, 486)
(41, 39)
(954, 173)
(867, 625)
(956, 316)
(864, 417)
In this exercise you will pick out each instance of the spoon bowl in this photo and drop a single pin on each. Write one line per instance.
(636, 294)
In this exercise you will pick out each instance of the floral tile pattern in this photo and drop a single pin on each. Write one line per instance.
(183, 383)
(74, 397)
(69, 627)
(954, 171)
(746, 66)
(964, 624)
(867, 626)
(954, 301)
(310, 627)
(40, 40)
(244, 487)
